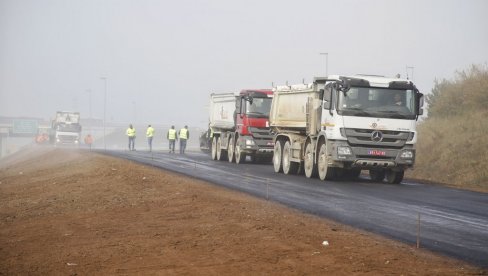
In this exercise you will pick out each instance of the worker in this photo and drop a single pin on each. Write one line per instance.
(172, 137)
(149, 135)
(88, 140)
(184, 136)
(131, 133)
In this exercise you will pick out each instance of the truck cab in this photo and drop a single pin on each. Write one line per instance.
(252, 123)
(369, 122)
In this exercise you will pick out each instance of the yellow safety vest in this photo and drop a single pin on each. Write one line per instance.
(150, 132)
(183, 133)
(131, 132)
(172, 134)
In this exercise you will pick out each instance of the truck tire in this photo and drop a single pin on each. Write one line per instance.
(239, 155)
(309, 165)
(220, 152)
(230, 150)
(214, 148)
(394, 177)
(377, 175)
(352, 173)
(277, 156)
(289, 167)
(325, 172)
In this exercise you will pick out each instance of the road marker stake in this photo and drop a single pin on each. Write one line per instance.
(418, 230)
(267, 188)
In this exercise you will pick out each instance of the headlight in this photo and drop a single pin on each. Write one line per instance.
(407, 154)
(410, 136)
(341, 150)
(58, 140)
(249, 142)
(76, 141)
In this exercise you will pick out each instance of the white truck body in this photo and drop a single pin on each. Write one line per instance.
(222, 108)
(340, 125)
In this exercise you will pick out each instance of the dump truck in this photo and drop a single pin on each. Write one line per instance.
(239, 126)
(338, 126)
(66, 128)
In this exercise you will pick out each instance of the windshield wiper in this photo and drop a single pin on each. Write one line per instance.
(257, 114)
(356, 111)
(394, 114)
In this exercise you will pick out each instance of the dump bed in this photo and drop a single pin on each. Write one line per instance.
(222, 108)
(289, 106)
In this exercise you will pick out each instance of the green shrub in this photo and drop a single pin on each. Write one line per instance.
(452, 143)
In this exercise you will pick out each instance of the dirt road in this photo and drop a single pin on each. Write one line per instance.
(78, 213)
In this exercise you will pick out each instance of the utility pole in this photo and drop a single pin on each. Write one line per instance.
(104, 112)
(326, 63)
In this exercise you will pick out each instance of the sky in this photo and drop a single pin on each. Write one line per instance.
(162, 59)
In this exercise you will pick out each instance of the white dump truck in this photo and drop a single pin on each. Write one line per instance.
(340, 125)
(66, 128)
(239, 126)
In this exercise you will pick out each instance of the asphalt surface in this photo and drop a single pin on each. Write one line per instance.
(452, 222)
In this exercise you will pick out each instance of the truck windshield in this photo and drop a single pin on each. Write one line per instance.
(260, 107)
(377, 102)
(68, 127)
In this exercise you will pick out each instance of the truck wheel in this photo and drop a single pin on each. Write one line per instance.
(254, 158)
(353, 173)
(220, 152)
(239, 155)
(214, 148)
(325, 172)
(393, 177)
(230, 150)
(309, 166)
(289, 167)
(278, 166)
(377, 175)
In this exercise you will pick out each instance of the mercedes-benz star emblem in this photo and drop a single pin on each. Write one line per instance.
(376, 136)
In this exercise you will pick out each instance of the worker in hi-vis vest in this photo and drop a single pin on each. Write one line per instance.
(131, 133)
(149, 135)
(184, 136)
(172, 137)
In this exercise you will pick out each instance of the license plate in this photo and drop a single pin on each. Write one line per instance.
(377, 152)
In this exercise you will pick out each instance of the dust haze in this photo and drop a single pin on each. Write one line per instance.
(162, 59)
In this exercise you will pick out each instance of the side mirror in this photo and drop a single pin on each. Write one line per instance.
(326, 98)
(346, 86)
(248, 98)
(420, 102)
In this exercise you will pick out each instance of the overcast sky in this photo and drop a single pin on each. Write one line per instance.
(162, 59)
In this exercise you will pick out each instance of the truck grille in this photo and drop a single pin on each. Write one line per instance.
(67, 138)
(389, 139)
(260, 133)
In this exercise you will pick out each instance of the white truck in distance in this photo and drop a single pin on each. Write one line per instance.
(340, 125)
(66, 128)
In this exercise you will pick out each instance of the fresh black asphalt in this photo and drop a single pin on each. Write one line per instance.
(452, 222)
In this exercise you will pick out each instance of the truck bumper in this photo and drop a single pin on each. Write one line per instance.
(249, 145)
(344, 155)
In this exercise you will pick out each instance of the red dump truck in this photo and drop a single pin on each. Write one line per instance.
(239, 126)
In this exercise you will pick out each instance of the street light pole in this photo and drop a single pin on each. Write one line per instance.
(89, 101)
(326, 63)
(104, 111)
